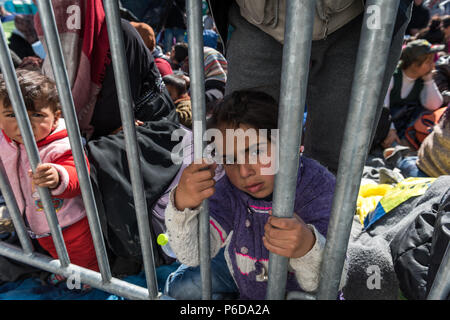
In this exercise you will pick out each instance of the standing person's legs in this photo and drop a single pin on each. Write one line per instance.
(328, 95)
(254, 61)
(330, 85)
(254, 58)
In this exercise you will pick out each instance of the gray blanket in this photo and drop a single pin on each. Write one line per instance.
(368, 252)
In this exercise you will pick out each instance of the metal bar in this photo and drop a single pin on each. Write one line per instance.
(14, 212)
(294, 80)
(440, 289)
(299, 295)
(121, 75)
(26, 131)
(92, 278)
(370, 67)
(197, 76)
(59, 70)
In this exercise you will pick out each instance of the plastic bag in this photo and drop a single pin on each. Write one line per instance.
(404, 190)
(368, 197)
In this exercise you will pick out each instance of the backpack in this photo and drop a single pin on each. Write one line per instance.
(423, 126)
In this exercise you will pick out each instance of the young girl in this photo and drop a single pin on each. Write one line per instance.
(243, 231)
(412, 89)
(56, 172)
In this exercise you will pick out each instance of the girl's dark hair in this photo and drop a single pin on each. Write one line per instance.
(177, 82)
(34, 87)
(405, 61)
(255, 109)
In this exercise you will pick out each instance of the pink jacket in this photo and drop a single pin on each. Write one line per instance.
(54, 149)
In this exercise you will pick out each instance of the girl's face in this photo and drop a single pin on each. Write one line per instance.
(43, 122)
(252, 160)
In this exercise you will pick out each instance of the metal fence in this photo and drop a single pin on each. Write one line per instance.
(370, 67)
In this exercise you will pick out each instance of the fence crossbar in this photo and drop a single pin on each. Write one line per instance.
(26, 131)
(121, 76)
(71, 272)
(59, 71)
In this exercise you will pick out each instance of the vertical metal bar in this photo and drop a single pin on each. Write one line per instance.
(370, 67)
(440, 289)
(197, 75)
(294, 80)
(26, 131)
(121, 75)
(62, 81)
(14, 212)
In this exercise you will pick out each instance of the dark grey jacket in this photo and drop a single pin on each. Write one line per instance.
(418, 249)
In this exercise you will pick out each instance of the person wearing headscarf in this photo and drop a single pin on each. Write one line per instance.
(84, 40)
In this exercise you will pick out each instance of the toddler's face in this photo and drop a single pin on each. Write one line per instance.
(253, 162)
(43, 122)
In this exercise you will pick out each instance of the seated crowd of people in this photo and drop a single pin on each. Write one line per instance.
(412, 137)
(415, 112)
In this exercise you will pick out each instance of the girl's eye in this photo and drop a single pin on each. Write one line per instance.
(37, 115)
(11, 115)
(256, 152)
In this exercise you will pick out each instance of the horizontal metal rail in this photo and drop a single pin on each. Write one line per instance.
(71, 272)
